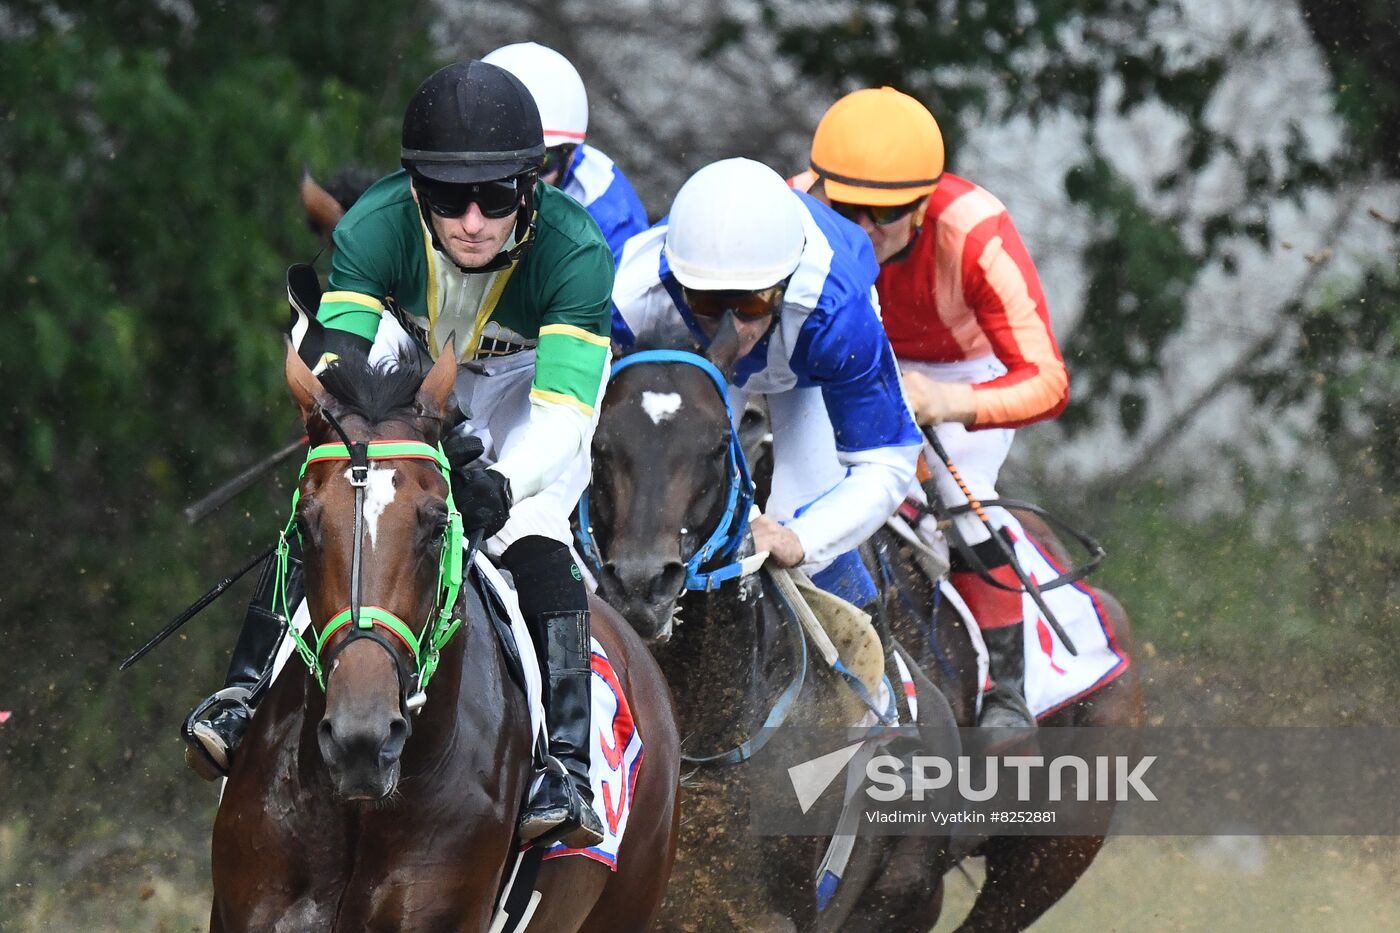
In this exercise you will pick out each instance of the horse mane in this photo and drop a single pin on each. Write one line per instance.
(653, 343)
(374, 392)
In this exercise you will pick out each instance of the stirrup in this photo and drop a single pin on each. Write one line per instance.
(1021, 735)
(573, 822)
(206, 752)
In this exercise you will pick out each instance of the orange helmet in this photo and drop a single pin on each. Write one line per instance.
(878, 147)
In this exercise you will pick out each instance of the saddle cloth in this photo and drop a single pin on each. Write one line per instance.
(1054, 677)
(617, 748)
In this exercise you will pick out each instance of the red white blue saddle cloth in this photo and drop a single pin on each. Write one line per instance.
(1054, 677)
(615, 759)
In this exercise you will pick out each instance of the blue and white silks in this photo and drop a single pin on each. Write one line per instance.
(594, 180)
(844, 442)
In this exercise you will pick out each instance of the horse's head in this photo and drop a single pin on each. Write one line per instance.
(371, 600)
(661, 481)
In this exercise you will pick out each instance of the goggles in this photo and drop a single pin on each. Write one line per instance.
(750, 306)
(886, 214)
(496, 199)
(557, 159)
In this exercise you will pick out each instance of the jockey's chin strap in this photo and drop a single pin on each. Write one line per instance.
(728, 536)
(366, 621)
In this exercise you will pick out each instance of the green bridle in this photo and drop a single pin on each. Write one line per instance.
(440, 625)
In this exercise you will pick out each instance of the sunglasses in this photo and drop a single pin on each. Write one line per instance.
(496, 199)
(557, 158)
(750, 306)
(887, 214)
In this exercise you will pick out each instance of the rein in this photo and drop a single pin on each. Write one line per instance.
(724, 542)
(782, 706)
(438, 628)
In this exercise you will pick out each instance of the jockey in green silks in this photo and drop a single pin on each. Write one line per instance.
(466, 241)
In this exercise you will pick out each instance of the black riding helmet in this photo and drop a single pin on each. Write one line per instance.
(469, 123)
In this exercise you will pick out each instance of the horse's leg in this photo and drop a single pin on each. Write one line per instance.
(567, 885)
(907, 894)
(1026, 876)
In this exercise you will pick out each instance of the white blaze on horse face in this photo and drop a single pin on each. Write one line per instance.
(378, 494)
(660, 405)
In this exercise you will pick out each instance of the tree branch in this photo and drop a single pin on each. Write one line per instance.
(1149, 454)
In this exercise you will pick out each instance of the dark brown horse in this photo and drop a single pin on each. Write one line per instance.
(335, 817)
(659, 491)
(1026, 875)
(656, 487)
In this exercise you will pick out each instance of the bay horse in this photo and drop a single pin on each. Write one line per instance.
(656, 489)
(1025, 875)
(664, 489)
(347, 810)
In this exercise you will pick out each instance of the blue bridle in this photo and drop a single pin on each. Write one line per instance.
(725, 540)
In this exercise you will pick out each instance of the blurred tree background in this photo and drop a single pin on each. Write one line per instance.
(1210, 189)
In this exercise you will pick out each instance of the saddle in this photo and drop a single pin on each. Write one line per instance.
(850, 634)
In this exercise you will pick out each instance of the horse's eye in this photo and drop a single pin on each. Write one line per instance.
(433, 525)
(305, 527)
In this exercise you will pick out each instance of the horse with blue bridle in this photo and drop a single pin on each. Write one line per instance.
(664, 525)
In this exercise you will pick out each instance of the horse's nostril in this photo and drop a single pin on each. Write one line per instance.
(326, 739)
(668, 582)
(398, 735)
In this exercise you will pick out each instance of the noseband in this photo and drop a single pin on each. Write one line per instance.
(367, 621)
(728, 535)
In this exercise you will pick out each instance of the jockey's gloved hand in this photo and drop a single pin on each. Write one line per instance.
(483, 497)
(461, 447)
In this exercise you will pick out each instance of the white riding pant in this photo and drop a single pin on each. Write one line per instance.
(805, 466)
(494, 395)
(978, 455)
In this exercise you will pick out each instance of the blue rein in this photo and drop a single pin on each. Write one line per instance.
(725, 540)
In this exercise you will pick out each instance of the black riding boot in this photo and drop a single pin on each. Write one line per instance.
(998, 609)
(215, 727)
(554, 602)
(1004, 706)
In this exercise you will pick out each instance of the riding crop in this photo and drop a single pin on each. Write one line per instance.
(195, 608)
(1005, 547)
(220, 497)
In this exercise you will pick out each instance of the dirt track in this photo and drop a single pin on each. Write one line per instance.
(1223, 883)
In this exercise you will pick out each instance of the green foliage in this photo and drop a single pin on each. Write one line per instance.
(973, 62)
(1361, 46)
(1135, 300)
(149, 162)
(1347, 358)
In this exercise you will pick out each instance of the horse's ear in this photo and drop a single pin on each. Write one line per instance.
(435, 395)
(724, 348)
(323, 212)
(307, 390)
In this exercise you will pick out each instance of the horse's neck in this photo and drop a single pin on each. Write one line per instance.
(715, 665)
(454, 705)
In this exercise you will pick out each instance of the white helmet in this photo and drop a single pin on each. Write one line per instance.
(735, 226)
(555, 85)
